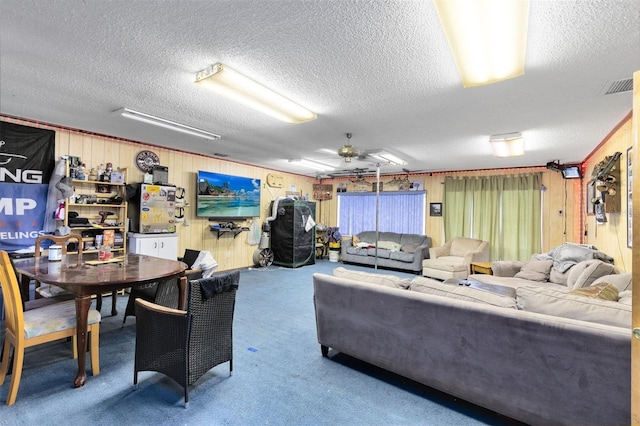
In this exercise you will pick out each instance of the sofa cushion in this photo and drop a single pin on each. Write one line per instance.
(402, 256)
(625, 297)
(558, 303)
(367, 237)
(621, 281)
(407, 239)
(585, 273)
(358, 251)
(461, 292)
(382, 253)
(389, 236)
(604, 291)
(538, 270)
(410, 248)
(369, 277)
(389, 245)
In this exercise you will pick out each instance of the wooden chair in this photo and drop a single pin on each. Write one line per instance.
(37, 326)
(63, 241)
(184, 345)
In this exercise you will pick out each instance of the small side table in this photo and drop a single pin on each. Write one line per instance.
(481, 268)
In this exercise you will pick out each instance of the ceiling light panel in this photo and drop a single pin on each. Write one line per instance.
(488, 38)
(167, 124)
(507, 144)
(239, 88)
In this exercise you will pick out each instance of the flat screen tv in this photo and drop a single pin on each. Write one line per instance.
(230, 197)
(571, 172)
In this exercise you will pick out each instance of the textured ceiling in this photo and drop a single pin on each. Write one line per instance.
(381, 70)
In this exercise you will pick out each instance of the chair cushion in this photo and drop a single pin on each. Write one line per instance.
(55, 317)
(446, 263)
(462, 246)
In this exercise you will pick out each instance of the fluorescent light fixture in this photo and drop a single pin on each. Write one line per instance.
(488, 38)
(313, 165)
(167, 124)
(507, 144)
(387, 158)
(235, 86)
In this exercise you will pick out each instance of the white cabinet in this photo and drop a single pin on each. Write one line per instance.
(158, 245)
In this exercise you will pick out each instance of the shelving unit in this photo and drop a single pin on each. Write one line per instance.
(86, 190)
(222, 231)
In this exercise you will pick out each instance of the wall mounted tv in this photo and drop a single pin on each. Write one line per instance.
(227, 197)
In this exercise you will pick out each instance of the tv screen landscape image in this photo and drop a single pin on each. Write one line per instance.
(227, 196)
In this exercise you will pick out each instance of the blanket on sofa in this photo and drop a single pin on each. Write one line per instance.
(568, 254)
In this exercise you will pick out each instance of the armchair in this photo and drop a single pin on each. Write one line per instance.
(453, 259)
(184, 345)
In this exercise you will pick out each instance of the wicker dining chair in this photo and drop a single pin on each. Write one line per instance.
(63, 241)
(184, 345)
(37, 326)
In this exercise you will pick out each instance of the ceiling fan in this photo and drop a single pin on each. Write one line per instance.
(348, 151)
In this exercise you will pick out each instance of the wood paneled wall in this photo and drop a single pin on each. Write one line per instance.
(194, 233)
(611, 236)
(563, 201)
(558, 203)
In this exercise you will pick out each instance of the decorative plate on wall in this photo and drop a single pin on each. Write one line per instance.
(146, 160)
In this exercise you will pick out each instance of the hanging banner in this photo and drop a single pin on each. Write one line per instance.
(27, 160)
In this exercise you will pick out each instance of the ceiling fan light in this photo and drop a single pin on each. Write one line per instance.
(239, 88)
(488, 38)
(507, 144)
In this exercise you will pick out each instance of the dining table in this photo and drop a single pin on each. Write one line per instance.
(84, 276)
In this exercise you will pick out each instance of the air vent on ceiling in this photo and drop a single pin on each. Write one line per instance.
(619, 86)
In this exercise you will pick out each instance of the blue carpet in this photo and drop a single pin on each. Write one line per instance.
(279, 377)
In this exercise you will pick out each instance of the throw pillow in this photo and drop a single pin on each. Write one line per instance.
(537, 270)
(386, 280)
(604, 291)
(461, 292)
(561, 304)
(355, 240)
(585, 273)
(410, 248)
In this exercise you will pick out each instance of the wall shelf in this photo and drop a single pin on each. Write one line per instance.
(222, 231)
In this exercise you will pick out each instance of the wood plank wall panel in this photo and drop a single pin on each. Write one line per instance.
(611, 237)
(194, 233)
(230, 253)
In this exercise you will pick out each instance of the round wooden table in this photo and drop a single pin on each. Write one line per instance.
(87, 278)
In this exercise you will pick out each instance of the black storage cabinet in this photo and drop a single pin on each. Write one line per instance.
(291, 244)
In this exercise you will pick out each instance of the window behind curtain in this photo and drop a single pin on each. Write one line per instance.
(402, 212)
(504, 210)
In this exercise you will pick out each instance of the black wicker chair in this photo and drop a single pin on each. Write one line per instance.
(161, 294)
(184, 345)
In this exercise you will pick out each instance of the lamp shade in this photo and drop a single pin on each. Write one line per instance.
(488, 38)
(239, 88)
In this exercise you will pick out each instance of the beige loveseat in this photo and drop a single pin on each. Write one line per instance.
(480, 346)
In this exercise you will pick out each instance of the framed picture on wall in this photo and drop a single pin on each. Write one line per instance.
(435, 209)
(629, 197)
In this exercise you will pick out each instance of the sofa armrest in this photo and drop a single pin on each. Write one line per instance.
(506, 268)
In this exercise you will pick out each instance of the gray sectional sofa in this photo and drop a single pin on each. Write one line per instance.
(395, 251)
(481, 346)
